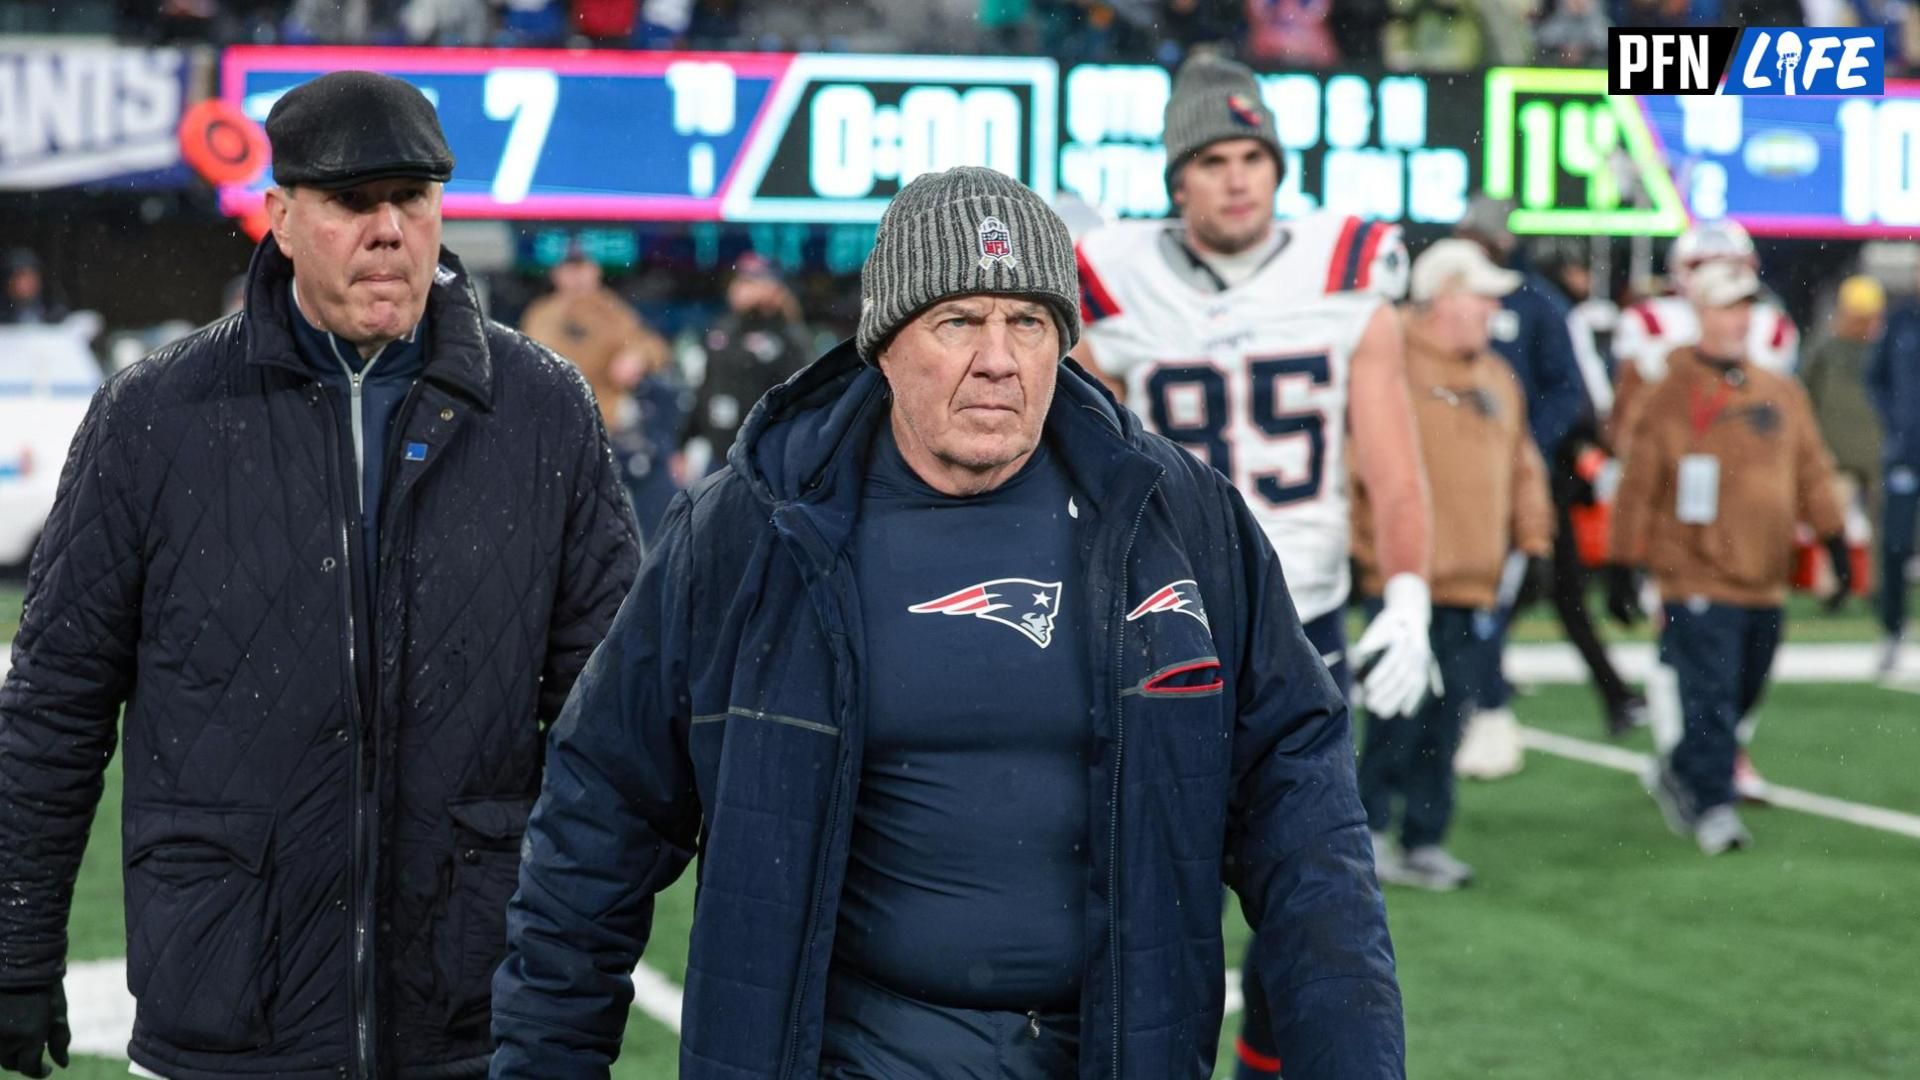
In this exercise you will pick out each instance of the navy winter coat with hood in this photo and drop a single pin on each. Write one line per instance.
(324, 791)
(722, 716)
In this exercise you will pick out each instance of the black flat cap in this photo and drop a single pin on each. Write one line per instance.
(350, 127)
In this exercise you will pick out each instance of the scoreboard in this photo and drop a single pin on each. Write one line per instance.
(809, 139)
(603, 135)
(1392, 147)
(1578, 161)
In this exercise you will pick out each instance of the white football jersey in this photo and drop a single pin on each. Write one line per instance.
(1651, 329)
(1252, 377)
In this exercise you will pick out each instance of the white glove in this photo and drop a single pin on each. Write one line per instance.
(1395, 655)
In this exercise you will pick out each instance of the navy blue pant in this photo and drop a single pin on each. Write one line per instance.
(1257, 1047)
(1406, 763)
(1722, 655)
(873, 1033)
(1897, 524)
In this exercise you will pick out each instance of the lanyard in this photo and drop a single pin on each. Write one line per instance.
(1705, 413)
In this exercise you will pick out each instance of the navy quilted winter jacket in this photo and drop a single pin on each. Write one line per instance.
(319, 840)
(721, 716)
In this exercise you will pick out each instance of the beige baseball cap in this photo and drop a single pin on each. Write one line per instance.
(1722, 283)
(1452, 264)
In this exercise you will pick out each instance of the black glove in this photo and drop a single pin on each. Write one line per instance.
(1536, 583)
(1842, 561)
(1623, 595)
(32, 1021)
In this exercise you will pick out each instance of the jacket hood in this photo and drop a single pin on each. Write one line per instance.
(457, 356)
(805, 441)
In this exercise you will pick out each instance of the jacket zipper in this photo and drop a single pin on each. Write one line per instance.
(1119, 749)
(357, 875)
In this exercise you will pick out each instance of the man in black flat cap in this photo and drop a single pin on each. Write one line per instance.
(340, 556)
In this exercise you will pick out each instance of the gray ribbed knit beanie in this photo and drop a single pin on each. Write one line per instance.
(963, 232)
(1214, 99)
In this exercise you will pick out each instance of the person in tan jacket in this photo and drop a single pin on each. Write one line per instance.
(1489, 496)
(591, 326)
(1724, 459)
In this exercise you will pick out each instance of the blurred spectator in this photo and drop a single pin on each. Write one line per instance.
(328, 21)
(756, 346)
(1291, 32)
(1835, 375)
(1434, 35)
(1508, 29)
(664, 23)
(1531, 334)
(1574, 34)
(447, 22)
(590, 325)
(26, 300)
(1893, 385)
(606, 22)
(650, 407)
(533, 22)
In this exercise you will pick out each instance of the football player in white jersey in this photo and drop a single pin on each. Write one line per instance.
(1646, 333)
(1270, 349)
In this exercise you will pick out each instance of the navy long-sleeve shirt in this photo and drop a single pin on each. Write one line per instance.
(967, 882)
(1530, 332)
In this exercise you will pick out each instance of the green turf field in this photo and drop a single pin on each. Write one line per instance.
(1595, 943)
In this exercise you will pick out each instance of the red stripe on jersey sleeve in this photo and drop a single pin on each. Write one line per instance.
(1367, 254)
(1782, 329)
(1096, 302)
(1337, 268)
(1645, 311)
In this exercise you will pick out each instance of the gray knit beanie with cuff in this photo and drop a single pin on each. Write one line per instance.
(964, 232)
(1215, 99)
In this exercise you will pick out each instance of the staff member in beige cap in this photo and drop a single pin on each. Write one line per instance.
(1724, 459)
(967, 692)
(1489, 498)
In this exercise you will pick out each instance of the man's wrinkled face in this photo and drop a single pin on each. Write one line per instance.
(363, 256)
(1225, 195)
(972, 380)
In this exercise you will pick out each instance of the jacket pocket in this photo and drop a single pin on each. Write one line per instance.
(201, 947)
(485, 870)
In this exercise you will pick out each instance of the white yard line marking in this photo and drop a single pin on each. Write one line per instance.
(657, 996)
(1557, 662)
(101, 1017)
(1807, 802)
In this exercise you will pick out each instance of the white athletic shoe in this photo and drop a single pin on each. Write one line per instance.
(1429, 868)
(1719, 831)
(1671, 796)
(1386, 855)
(1490, 748)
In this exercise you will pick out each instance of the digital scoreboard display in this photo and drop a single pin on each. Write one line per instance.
(639, 136)
(1810, 167)
(1577, 161)
(1394, 147)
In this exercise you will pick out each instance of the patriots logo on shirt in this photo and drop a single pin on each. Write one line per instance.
(1181, 596)
(1021, 603)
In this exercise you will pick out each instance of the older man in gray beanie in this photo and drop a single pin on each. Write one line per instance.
(968, 693)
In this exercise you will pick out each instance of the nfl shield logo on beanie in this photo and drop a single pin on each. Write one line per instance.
(996, 245)
(1244, 111)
